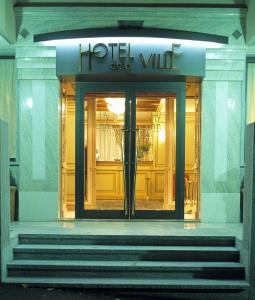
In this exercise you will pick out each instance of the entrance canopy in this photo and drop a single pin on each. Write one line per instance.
(130, 54)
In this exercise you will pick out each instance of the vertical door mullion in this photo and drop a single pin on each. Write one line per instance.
(126, 156)
(180, 153)
(79, 151)
(133, 134)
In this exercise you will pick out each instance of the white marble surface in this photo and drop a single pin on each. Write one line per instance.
(4, 184)
(226, 64)
(222, 119)
(36, 63)
(39, 135)
(249, 205)
(220, 207)
(37, 74)
(50, 19)
(34, 51)
(221, 132)
(4, 196)
(38, 206)
(170, 228)
(38, 130)
(226, 53)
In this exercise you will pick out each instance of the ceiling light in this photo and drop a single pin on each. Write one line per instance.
(116, 105)
(128, 33)
(134, 40)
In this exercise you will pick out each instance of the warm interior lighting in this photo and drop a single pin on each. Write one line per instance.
(162, 105)
(116, 105)
(162, 134)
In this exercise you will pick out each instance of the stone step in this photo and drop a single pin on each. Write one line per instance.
(137, 283)
(133, 253)
(125, 269)
(126, 240)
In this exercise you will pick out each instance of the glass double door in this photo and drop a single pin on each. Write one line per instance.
(129, 151)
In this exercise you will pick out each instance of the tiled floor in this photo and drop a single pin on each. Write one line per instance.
(129, 228)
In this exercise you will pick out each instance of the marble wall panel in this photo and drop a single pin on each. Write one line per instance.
(221, 131)
(4, 185)
(36, 63)
(249, 206)
(223, 104)
(220, 21)
(207, 135)
(225, 64)
(222, 75)
(37, 74)
(4, 198)
(226, 53)
(34, 51)
(36, 206)
(220, 207)
(39, 135)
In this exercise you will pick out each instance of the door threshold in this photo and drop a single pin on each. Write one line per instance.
(130, 220)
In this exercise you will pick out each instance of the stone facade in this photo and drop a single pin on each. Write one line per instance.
(223, 103)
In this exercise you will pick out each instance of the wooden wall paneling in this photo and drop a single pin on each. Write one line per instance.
(169, 119)
(91, 151)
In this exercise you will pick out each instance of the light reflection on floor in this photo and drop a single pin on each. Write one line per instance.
(173, 228)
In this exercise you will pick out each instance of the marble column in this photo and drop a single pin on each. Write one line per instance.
(39, 133)
(4, 195)
(222, 119)
(248, 253)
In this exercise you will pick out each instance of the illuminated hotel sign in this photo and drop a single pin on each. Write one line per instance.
(123, 59)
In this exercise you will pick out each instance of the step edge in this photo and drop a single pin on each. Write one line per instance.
(189, 283)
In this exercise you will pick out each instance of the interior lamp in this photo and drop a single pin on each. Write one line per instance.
(116, 105)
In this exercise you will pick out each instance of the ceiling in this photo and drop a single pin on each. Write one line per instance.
(8, 49)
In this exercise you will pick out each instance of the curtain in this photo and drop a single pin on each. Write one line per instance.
(251, 93)
(108, 142)
(8, 100)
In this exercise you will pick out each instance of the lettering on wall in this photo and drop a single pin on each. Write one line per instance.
(122, 58)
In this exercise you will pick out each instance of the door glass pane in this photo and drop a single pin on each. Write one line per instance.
(155, 147)
(103, 151)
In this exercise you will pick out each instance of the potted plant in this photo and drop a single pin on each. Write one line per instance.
(143, 150)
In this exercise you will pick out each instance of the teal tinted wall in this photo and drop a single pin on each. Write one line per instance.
(222, 115)
(38, 134)
(223, 119)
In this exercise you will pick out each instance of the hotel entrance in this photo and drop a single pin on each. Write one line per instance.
(128, 151)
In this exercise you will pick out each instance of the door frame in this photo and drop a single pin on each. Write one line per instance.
(130, 89)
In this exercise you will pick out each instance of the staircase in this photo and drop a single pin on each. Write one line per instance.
(137, 262)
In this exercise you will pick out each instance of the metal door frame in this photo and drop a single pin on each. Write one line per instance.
(130, 89)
